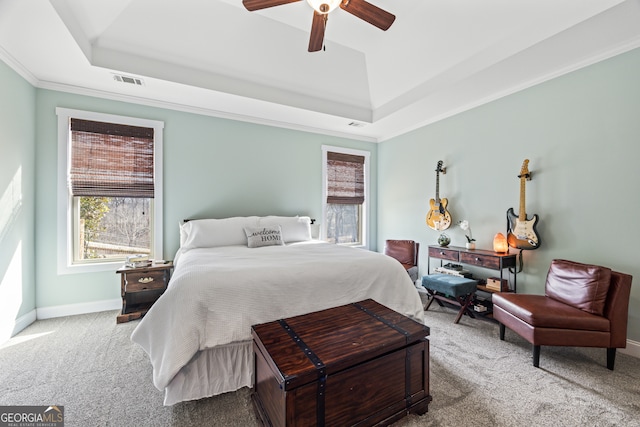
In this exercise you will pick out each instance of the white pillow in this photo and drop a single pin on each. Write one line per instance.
(294, 228)
(210, 233)
(184, 233)
(263, 236)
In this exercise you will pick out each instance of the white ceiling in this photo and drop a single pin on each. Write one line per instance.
(440, 57)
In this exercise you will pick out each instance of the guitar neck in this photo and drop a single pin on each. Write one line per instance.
(523, 215)
(438, 187)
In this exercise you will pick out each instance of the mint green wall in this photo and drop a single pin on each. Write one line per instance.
(17, 197)
(581, 133)
(212, 168)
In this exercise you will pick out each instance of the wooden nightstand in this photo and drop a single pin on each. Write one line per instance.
(140, 287)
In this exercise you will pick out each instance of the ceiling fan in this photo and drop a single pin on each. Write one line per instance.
(321, 8)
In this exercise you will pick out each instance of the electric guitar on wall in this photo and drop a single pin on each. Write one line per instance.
(522, 232)
(438, 218)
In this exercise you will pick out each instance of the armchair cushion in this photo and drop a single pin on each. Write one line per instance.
(542, 312)
(582, 286)
(413, 273)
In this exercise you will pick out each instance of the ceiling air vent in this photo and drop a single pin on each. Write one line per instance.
(356, 124)
(126, 79)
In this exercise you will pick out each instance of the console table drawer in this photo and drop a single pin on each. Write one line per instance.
(486, 261)
(444, 253)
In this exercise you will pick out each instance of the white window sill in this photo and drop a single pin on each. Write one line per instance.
(90, 268)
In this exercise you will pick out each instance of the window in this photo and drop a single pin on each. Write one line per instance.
(110, 189)
(344, 196)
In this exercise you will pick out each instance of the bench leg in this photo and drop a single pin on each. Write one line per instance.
(431, 298)
(465, 302)
(432, 295)
(502, 328)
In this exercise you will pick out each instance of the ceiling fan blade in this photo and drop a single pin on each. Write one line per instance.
(252, 5)
(316, 40)
(368, 12)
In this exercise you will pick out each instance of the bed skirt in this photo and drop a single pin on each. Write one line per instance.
(212, 371)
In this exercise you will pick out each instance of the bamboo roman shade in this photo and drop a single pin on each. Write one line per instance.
(111, 160)
(345, 178)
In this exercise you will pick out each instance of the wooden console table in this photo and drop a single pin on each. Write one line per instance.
(475, 257)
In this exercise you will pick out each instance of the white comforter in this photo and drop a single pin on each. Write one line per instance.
(216, 294)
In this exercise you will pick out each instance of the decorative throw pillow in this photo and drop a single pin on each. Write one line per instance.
(264, 236)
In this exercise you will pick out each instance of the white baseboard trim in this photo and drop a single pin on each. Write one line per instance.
(633, 349)
(19, 324)
(82, 308)
(24, 321)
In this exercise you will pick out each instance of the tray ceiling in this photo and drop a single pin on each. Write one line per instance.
(440, 57)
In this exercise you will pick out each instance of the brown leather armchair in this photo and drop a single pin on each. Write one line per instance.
(583, 306)
(405, 251)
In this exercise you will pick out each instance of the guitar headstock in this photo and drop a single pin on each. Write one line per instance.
(440, 169)
(524, 170)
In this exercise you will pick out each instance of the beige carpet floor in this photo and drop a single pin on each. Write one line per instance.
(88, 364)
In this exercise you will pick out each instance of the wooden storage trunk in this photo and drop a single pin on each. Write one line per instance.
(359, 364)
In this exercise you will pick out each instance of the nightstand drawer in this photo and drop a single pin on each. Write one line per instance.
(145, 280)
(444, 253)
(486, 261)
(140, 287)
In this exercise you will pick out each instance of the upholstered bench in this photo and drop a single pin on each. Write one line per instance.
(452, 289)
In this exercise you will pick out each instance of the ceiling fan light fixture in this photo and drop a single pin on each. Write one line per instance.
(324, 6)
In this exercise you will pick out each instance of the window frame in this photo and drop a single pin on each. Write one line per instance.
(364, 207)
(65, 208)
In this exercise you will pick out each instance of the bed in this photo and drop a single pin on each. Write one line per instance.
(235, 272)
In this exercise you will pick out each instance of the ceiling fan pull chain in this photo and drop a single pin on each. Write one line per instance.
(326, 18)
